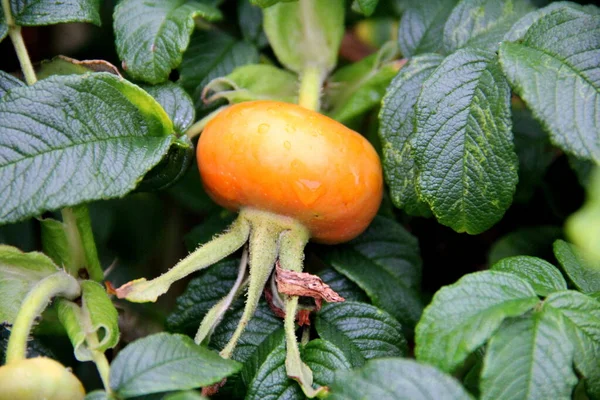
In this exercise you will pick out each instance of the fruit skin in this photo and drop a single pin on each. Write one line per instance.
(291, 161)
(39, 378)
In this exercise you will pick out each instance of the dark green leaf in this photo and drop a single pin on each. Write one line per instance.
(250, 19)
(324, 359)
(365, 7)
(581, 315)
(212, 54)
(398, 379)
(76, 138)
(582, 168)
(530, 241)
(361, 331)
(554, 70)
(177, 104)
(343, 286)
(151, 36)
(463, 142)
(164, 362)
(385, 262)
(8, 81)
(44, 12)
(463, 316)
(397, 123)
(482, 23)
(189, 193)
(583, 227)
(584, 274)
(543, 277)
(422, 26)
(529, 358)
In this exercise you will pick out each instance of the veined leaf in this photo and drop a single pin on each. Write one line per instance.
(177, 104)
(543, 277)
(43, 12)
(583, 272)
(343, 285)
(8, 81)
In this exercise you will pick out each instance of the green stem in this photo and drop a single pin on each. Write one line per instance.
(82, 247)
(199, 126)
(99, 358)
(14, 31)
(311, 81)
(141, 290)
(57, 284)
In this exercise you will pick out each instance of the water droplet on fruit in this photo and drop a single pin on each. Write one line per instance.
(290, 129)
(263, 128)
(308, 191)
(287, 145)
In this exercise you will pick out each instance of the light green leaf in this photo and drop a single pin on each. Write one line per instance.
(583, 227)
(529, 241)
(43, 12)
(19, 272)
(151, 35)
(365, 7)
(76, 138)
(97, 395)
(398, 379)
(554, 70)
(482, 23)
(304, 33)
(463, 316)
(8, 82)
(361, 331)
(581, 315)
(177, 104)
(396, 130)
(529, 358)
(422, 26)
(62, 65)
(165, 362)
(463, 143)
(543, 277)
(385, 262)
(584, 273)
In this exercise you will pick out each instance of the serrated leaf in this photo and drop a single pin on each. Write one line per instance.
(76, 138)
(530, 241)
(553, 69)
(43, 12)
(176, 102)
(357, 88)
(396, 130)
(543, 277)
(250, 20)
(361, 331)
(463, 143)
(582, 319)
(343, 286)
(463, 316)
(422, 26)
(584, 273)
(212, 54)
(151, 35)
(8, 81)
(305, 33)
(385, 262)
(165, 362)
(96, 316)
(19, 273)
(400, 379)
(583, 227)
(528, 358)
(482, 23)
(365, 7)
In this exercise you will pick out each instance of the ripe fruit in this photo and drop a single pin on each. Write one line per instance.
(291, 161)
(39, 378)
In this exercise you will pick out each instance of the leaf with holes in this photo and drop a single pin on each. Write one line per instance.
(42, 12)
(463, 143)
(543, 277)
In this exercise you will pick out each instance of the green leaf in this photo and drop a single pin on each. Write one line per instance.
(396, 130)
(553, 69)
(529, 358)
(361, 331)
(253, 82)
(581, 315)
(324, 359)
(396, 378)
(359, 87)
(212, 54)
(3, 26)
(43, 12)
(482, 23)
(97, 395)
(97, 315)
(303, 33)
(365, 7)
(583, 227)
(463, 143)
(250, 20)
(584, 273)
(62, 65)
(177, 104)
(187, 395)
(530, 241)
(582, 168)
(19, 272)
(422, 26)
(76, 138)
(164, 362)
(151, 36)
(543, 277)
(385, 262)
(8, 81)
(343, 286)
(463, 316)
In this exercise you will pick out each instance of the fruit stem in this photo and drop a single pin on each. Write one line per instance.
(141, 290)
(311, 80)
(57, 284)
(197, 128)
